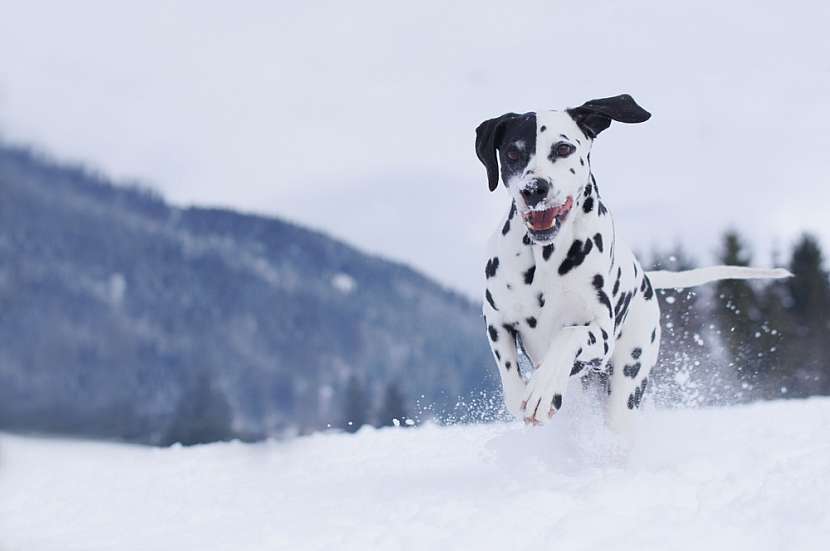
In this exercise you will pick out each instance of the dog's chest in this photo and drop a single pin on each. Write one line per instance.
(525, 288)
(532, 296)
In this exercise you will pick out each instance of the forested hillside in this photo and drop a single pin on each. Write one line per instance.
(124, 317)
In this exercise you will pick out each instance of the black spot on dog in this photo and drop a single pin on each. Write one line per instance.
(602, 296)
(581, 162)
(531, 321)
(510, 216)
(576, 255)
(512, 330)
(653, 334)
(490, 300)
(601, 209)
(636, 397)
(607, 378)
(528, 275)
(646, 288)
(621, 309)
(605, 347)
(572, 171)
(547, 250)
(492, 266)
(598, 241)
(526, 239)
(616, 288)
(507, 365)
(589, 205)
(578, 366)
(494, 335)
(498, 356)
(557, 401)
(592, 339)
(604, 334)
(636, 272)
(541, 299)
(636, 353)
(543, 128)
(632, 370)
(577, 141)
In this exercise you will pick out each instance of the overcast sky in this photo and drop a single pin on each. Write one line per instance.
(358, 118)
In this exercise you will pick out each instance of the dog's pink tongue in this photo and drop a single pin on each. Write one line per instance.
(541, 220)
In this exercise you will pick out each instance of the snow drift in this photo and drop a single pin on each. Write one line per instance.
(750, 477)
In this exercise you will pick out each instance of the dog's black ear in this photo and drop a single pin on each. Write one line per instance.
(596, 115)
(488, 139)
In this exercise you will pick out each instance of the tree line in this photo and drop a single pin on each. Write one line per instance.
(739, 341)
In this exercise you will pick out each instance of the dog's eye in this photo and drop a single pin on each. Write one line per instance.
(513, 153)
(563, 149)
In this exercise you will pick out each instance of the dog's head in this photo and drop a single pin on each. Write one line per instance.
(544, 157)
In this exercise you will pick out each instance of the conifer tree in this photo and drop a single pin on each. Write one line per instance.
(393, 407)
(807, 345)
(202, 415)
(685, 367)
(737, 310)
(776, 329)
(355, 405)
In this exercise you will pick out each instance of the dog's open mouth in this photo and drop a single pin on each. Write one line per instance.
(543, 224)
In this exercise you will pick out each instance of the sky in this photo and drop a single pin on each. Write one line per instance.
(357, 118)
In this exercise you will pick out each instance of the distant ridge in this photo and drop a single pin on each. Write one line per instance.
(124, 317)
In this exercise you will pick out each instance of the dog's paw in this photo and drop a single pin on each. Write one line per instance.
(543, 397)
(514, 390)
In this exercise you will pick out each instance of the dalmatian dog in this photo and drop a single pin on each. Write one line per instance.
(561, 287)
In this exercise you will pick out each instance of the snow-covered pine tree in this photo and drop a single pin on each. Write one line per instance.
(807, 347)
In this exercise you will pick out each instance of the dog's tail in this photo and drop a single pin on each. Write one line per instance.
(692, 278)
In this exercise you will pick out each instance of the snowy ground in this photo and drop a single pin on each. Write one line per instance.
(753, 477)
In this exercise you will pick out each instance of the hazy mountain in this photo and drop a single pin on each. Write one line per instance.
(122, 316)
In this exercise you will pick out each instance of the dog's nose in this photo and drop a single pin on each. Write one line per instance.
(535, 191)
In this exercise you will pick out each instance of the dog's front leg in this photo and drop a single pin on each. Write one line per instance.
(503, 345)
(570, 351)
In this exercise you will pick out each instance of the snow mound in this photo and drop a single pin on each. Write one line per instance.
(751, 477)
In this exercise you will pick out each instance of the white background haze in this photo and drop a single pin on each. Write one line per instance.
(357, 118)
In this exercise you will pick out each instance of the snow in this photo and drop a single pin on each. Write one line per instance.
(344, 283)
(749, 477)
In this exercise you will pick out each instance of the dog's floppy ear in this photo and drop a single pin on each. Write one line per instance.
(488, 139)
(596, 115)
